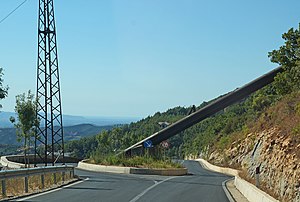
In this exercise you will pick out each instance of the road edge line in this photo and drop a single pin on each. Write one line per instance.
(225, 188)
(227, 192)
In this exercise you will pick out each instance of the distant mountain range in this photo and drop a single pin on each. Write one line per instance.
(69, 120)
(8, 135)
(75, 127)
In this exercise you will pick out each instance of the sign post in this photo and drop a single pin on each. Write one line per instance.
(147, 144)
(165, 145)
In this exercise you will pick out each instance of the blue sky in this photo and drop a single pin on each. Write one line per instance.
(136, 57)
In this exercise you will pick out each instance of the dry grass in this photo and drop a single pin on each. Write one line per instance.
(263, 186)
(285, 115)
(16, 186)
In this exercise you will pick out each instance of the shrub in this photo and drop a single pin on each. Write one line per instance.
(136, 161)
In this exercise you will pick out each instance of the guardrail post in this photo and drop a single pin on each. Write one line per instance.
(3, 183)
(63, 176)
(54, 178)
(39, 172)
(26, 184)
(43, 181)
(71, 174)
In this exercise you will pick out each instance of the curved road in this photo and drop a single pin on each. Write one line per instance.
(201, 185)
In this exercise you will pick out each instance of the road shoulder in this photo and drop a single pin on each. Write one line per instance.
(234, 192)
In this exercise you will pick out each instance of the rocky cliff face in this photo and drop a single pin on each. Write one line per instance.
(278, 156)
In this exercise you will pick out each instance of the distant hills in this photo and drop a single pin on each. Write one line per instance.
(75, 127)
(69, 120)
(8, 135)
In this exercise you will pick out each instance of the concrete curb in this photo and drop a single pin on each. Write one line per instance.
(10, 164)
(100, 168)
(227, 171)
(227, 192)
(251, 192)
(12, 161)
(130, 170)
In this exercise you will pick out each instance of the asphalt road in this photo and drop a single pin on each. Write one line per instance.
(201, 185)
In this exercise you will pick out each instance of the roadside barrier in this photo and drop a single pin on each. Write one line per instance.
(39, 171)
(252, 193)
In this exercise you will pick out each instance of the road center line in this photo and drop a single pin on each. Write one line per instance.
(149, 188)
(48, 192)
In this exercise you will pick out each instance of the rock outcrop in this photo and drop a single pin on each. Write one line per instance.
(278, 157)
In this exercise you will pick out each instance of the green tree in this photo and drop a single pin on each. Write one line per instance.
(26, 120)
(3, 89)
(288, 56)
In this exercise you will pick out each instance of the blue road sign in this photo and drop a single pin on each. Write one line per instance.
(148, 144)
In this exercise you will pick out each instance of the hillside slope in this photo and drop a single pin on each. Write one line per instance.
(273, 144)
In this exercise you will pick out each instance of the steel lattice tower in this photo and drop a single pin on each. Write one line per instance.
(49, 134)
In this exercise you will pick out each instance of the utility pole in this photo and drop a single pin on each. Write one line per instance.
(49, 134)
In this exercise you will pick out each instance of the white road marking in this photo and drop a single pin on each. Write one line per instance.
(149, 188)
(48, 192)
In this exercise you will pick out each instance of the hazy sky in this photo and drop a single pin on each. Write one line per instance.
(137, 57)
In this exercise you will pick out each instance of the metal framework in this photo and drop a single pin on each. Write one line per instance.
(49, 142)
(207, 111)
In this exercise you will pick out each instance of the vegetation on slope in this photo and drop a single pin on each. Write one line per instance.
(216, 132)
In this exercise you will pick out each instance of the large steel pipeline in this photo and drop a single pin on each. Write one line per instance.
(210, 109)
